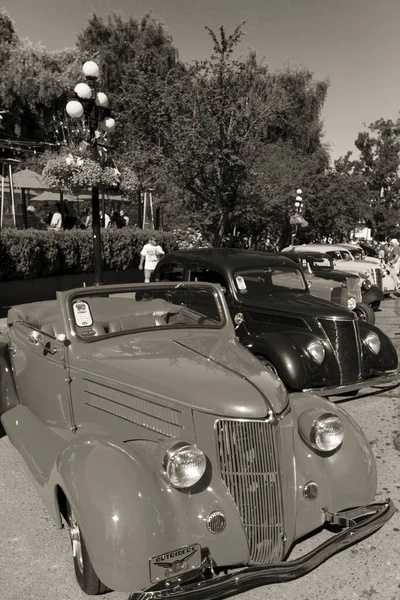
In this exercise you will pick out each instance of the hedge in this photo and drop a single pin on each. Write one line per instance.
(31, 254)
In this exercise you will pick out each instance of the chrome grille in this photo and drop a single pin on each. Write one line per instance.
(378, 278)
(354, 287)
(344, 339)
(248, 458)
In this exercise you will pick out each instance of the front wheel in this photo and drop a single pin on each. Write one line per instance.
(84, 571)
(267, 364)
(364, 313)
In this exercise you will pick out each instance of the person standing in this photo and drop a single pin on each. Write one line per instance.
(56, 219)
(394, 262)
(149, 257)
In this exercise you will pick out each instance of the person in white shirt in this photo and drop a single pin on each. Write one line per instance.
(149, 257)
(107, 219)
(56, 219)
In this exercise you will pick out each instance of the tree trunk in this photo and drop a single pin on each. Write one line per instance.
(223, 221)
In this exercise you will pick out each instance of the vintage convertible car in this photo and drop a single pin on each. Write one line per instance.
(310, 343)
(177, 460)
(317, 266)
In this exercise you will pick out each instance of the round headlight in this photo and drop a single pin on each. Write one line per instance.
(184, 464)
(317, 351)
(373, 342)
(351, 303)
(327, 432)
(366, 284)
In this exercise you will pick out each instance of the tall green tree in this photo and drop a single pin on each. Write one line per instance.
(210, 121)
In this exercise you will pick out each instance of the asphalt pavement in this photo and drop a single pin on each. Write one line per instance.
(35, 561)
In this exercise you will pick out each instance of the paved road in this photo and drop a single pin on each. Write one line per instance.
(35, 561)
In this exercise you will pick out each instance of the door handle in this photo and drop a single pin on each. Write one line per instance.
(12, 350)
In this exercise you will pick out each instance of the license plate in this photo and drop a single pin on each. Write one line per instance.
(175, 563)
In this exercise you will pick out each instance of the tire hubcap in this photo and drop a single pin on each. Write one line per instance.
(75, 535)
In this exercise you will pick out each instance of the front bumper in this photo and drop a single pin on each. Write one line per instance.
(389, 380)
(359, 523)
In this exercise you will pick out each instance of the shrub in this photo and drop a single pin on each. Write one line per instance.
(32, 254)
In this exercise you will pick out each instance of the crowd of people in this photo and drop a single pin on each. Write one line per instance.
(72, 220)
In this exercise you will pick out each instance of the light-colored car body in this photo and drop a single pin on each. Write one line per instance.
(357, 252)
(344, 260)
(103, 388)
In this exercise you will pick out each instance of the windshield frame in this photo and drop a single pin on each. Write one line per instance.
(72, 295)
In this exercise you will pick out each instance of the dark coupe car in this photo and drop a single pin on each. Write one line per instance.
(310, 343)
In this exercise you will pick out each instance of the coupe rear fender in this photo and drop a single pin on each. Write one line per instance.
(374, 294)
(8, 391)
(128, 513)
(288, 354)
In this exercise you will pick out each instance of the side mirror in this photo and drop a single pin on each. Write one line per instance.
(36, 338)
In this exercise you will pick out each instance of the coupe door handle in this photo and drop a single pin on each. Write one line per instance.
(12, 350)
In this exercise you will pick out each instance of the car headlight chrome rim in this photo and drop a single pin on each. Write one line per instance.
(373, 342)
(317, 351)
(351, 303)
(321, 430)
(327, 432)
(184, 464)
(366, 284)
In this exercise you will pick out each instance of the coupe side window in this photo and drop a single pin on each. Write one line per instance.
(207, 275)
(172, 272)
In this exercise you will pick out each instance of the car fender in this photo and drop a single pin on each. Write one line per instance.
(128, 513)
(287, 352)
(8, 391)
(357, 486)
(374, 294)
(386, 360)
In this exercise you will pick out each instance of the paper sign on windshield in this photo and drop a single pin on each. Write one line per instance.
(240, 282)
(83, 317)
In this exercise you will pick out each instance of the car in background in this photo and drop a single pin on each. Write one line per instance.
(366, 297)
(344, 260)
(310, 343)
(359, 252)
(178, 462)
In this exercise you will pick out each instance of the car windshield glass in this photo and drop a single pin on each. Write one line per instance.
(322, 263)
(180, 305)
(269, 280)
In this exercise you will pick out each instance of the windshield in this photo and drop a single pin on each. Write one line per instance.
(271, 280)
(323, 263)
(97, 314)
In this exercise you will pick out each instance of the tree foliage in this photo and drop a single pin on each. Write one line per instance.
(209, 123)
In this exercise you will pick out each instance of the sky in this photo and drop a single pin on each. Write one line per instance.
(353, 43)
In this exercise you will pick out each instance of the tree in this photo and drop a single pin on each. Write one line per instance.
(35, 84)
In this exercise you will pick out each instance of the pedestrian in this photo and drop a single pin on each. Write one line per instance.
(394, 261)
(124, 218)
(56, 219)
(149, 256)
(107, 219)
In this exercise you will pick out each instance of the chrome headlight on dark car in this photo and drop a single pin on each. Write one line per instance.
(323, 431)
(183, 464)
(366, 284)
(351, 303)
(373, 342)
(317, 351)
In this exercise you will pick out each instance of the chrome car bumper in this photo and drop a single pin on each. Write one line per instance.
(358, 523)
(387, 381)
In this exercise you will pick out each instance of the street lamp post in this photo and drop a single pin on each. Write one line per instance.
(298, 210)
(92, 105)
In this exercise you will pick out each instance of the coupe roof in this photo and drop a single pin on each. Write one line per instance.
(230, 259)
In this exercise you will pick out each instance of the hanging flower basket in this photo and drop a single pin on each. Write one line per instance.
(298, 220)
(72, 173)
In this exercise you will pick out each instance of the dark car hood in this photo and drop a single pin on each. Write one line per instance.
(301, 304)
(206, 371)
